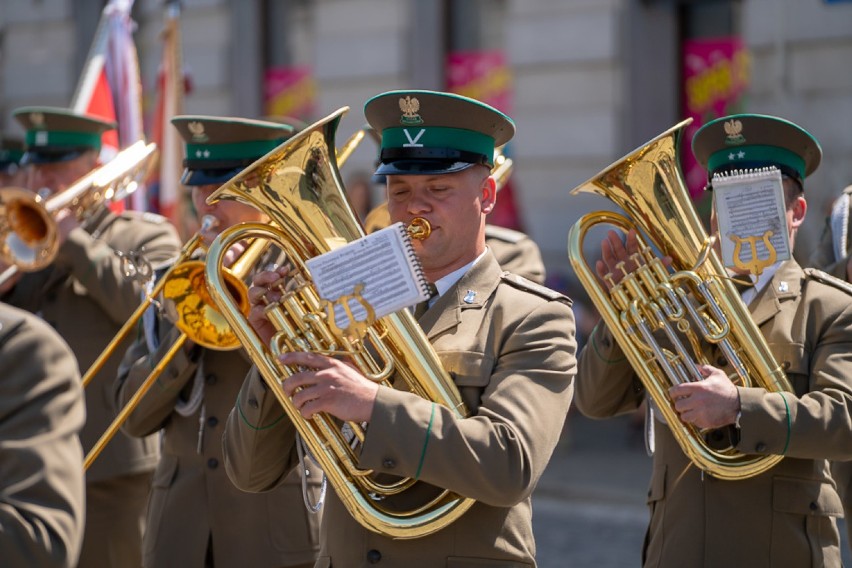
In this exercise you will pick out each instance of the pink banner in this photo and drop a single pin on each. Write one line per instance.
(481, 75)
(290, 92)
(716, 73)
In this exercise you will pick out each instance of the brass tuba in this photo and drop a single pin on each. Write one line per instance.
(693, 302)
(298, 186)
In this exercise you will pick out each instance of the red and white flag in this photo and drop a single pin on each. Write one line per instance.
(110, 85)
(170, 201)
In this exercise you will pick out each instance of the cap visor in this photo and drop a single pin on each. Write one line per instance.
(208, 177)
(421, 167)
(50, 157)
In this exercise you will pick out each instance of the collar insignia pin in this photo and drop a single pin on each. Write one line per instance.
(469, 297)
(783, 287)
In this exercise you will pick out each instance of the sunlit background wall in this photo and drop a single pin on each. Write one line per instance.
(585, 80)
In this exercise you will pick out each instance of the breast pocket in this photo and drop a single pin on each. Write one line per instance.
(471, 373)
(804, 529)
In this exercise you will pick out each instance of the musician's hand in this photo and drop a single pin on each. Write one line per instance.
(234, 253)
(329, 385)
(265, 289)
(614, 251)
(711, 403)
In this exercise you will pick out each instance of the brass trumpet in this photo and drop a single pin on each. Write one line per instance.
(692, 304)
(28, 233)
(298, 186)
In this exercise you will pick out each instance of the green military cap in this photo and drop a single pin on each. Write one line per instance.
(11, 152)
(58, 134)
(427, 132)
(218, 148)
(748, 141)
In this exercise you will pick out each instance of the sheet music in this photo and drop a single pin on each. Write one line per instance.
(748, 205)
(382, 263)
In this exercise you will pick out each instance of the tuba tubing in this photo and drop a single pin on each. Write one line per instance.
(647, 185)
(298, 186)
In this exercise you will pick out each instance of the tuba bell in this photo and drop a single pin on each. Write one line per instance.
(298, 186)
(690, 304)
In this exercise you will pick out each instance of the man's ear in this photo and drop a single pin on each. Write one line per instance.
(489, 194)
(799, 208)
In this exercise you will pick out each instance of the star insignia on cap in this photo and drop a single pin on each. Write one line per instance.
(37, 119)
(202, 154)
(409, 107)
(197, 129)
(733, 129)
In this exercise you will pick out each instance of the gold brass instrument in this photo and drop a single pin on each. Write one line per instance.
(298, 186)
(693, 303)
(187, 303)
(184, 290)
(28, 232)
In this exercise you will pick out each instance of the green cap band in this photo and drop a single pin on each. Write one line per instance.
(231, 151)
(751, 154)
(439, 137)
(57, 139)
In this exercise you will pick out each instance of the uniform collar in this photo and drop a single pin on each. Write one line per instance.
(471, 291)
(786, 284)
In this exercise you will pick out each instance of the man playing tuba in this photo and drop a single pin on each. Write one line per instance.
(507, 343)
(785, 516)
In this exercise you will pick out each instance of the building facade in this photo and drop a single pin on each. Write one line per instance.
(587, 80)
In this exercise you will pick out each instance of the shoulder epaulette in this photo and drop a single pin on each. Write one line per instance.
(522, 283)
(827, 278)
(504, 234)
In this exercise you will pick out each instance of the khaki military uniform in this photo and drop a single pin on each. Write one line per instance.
(41, 461)
(515, 252)
(193, 504)
(86, 297)
(509, 345)
(785, 517)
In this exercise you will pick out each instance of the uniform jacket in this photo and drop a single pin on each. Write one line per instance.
(785, 516)
(515, 252)
(86, 297)
(509, 346)
(41, 461)
(192, 498)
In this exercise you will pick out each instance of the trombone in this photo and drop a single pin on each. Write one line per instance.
(28, 229)
(197, 318)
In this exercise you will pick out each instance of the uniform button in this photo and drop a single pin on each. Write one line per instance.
(252, 402)
(785, 365)
(814, 506)
(722, 362)
(388, 463)
(210, 379)
(212, 421)
(374, 556)
(760, 447)
(212, 463)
